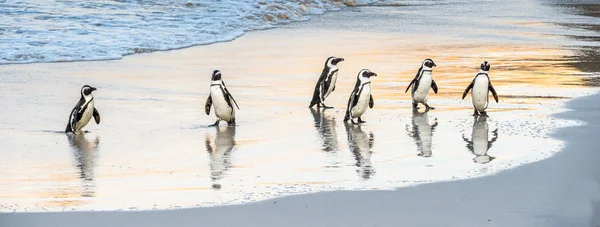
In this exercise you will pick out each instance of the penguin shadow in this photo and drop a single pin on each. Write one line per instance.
(360, 144)
(85, 152)
(480, 143)
(325, 126)
(422, 132)
(220, 150)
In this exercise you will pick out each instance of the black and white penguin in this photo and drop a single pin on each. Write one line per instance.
(221, 99)
(421, 84)
(360, 144)
(481, 85)
(326, 83)
(422, 132)
(83, 111)
(479, 144)
(361, 97)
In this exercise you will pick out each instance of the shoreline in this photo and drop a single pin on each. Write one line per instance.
(169, 85)
(527, 195)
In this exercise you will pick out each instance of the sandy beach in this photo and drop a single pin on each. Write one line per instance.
(148, 162)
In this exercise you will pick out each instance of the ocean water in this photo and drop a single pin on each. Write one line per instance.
(59, 30)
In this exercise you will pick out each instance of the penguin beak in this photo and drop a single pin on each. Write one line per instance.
(373, 74)
(337, 60)
(434, 65)
(93, 89)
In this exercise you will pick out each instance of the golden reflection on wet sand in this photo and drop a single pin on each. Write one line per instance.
(277, 138)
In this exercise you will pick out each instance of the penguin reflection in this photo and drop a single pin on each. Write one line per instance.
(325, 125)
(85, 152)
(219, 154)
(479, 144)
(360, 144)
(422, 132)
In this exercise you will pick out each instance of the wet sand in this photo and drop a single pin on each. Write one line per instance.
(154, 150)
(559, 191)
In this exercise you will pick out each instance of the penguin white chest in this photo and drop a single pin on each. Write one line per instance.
(363, 102)
(86, 116)
(333, 79)
(422, 90)
(222, 109)
(480, 93)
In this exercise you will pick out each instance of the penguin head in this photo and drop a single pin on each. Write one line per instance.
(331, 61)
(86, 90)
(428, 64)
(365, 74)
(485, 66)
(216, 75)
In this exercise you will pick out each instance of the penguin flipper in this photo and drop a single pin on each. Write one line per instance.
(491, 88)
(96, 116)
(468, 89)
(411, 83)
(371, 102)
(434, 86)
(208, 105)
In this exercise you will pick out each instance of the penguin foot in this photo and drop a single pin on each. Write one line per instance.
(484, 114)
(324, 106)
(415, 105)
(361, 121)
(215, 124)
(475, 113)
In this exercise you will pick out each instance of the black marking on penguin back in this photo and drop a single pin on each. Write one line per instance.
(317, 95)
(352, 98)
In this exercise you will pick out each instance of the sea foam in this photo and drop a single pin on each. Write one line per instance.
(58, 30)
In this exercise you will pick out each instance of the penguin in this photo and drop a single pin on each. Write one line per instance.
(221, 99)
(325, 126)
(326, 83)
(83, 111)
(421, 84)
(361, 97)
(360, 144)
(422, 132)
(220, 162)
(481, 85)
(479, 144)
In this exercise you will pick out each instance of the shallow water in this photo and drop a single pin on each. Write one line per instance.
(153, 149)
(57, 31)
